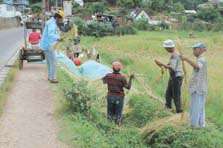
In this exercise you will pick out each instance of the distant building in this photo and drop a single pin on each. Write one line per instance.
(7, 10)
(190, 11)
(21, 4)
(138, 14)
(80, 2)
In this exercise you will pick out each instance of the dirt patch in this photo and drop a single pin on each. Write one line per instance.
(28, 121)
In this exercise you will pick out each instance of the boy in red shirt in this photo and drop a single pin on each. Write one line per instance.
(34, 37)
(116, 82)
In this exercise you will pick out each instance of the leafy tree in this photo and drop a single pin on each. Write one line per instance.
(178, 7)
(190, 4)
(98, 7)
(157, 5)
(209, 14)
(129, 3)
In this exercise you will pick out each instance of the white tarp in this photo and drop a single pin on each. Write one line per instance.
(80, 2)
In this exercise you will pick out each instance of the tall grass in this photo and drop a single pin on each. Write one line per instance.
(5, 87)
(138, 52)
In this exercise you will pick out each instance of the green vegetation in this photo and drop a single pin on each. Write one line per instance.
(4, 89)
(137, 52)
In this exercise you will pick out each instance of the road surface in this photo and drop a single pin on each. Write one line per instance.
(10, 41)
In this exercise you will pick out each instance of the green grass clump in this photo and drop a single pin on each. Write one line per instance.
(144, 111)
(178, 137)
(5, 87)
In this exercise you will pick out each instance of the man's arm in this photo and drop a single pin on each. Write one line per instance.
(104, 79)
(160, 64)
(192, 63)
(129, 84)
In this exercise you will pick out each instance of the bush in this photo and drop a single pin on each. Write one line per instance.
(98, 29)
(98, 7)
(123, 30)
(36, 9)
(144, 110)
(80, 24)
(209, 14)
(199, 25)
(79, 97)
(129, 3)
(179, 137)
(141, 24)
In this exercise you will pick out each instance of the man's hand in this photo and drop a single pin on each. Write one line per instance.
(183, 57)
(132, 76)
(158, 63)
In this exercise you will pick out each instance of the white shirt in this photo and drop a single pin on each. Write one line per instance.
(176, 64)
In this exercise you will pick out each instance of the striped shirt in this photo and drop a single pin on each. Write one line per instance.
(116, 83)
(199, 80)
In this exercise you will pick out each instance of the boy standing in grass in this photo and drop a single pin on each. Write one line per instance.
(198, 86)
(176, 76)
(116, 83)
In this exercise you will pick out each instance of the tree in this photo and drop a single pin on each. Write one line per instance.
(190, 4)
(157, 5)
(209, 14)
(98, 7)
(112, 2)
(130, 3)
(178, 7)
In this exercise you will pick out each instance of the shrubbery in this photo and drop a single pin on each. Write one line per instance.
(79, 97)
(144, 111)
(179, 137)
(124, 30)
(98, 29)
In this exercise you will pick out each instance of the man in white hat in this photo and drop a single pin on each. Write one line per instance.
(173, 91)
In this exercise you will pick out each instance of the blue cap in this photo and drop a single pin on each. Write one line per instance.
(199, 45)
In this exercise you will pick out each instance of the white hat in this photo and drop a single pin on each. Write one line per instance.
(168, 44)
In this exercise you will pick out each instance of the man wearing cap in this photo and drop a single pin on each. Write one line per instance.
(174, 66)
(49, 39)
(116, 83)
(198, 86)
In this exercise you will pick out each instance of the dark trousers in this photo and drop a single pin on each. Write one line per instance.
(174, 92)
(115, 107)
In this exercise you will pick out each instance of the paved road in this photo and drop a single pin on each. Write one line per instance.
(10, 41)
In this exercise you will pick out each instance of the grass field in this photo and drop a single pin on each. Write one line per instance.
(137, 52)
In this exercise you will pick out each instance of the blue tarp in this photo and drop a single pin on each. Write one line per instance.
(90, 69)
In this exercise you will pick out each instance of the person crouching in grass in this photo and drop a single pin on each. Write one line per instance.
(116, 82)
(174, 66)
(198, 86)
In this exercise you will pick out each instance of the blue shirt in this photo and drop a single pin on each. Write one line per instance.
(50, 34)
